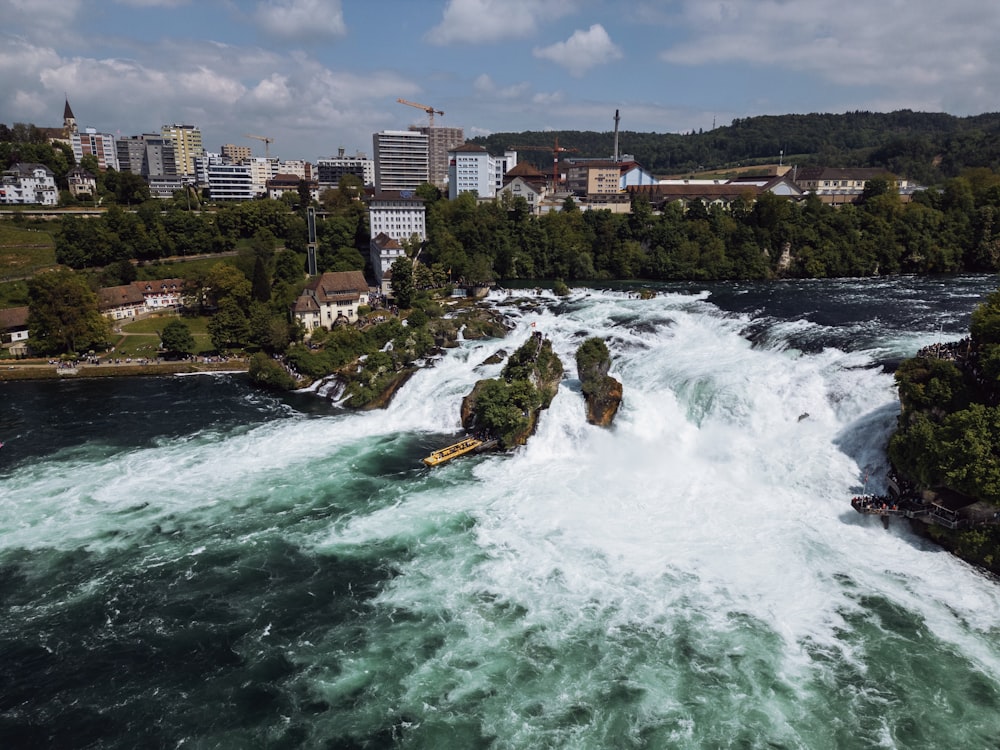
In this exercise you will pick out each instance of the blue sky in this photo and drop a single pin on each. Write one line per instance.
(316, 75)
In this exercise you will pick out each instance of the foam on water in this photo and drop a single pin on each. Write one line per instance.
(693, 576)
(711, 510)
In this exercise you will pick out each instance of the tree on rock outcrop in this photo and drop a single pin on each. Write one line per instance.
(602, 392)
(507, 408)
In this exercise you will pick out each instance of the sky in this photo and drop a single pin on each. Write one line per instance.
(318, 75)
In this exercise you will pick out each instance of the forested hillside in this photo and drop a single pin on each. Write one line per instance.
(926, 147)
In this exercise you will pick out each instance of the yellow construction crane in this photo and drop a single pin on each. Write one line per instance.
(267, 143)
(429, 110)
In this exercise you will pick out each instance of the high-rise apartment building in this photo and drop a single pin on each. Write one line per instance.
(400, 159)
(187, 146)
(439, 141)
(100, 145)
(149, 155)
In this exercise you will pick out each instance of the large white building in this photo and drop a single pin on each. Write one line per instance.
(399, 214)
(26, 183)
(471, 169)
(401, 160)
(225, 181)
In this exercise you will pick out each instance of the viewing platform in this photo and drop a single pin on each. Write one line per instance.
(887, 506)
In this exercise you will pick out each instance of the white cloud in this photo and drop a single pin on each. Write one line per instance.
(582, 51)
(485, 85)
(41, 20)
(303, 20)
(472, 21)
(942, 54)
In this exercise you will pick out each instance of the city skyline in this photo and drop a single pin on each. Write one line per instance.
(318, 75)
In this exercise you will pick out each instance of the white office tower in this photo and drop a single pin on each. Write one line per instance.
(401, 159)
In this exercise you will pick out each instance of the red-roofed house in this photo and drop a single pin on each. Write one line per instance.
(331, 298)
(120, 302)
(161, 293)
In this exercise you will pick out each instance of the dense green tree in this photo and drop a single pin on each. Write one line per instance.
(225, 281)
(176, 339)
(288, 267)
(402, 282)
(229, 327)
(63, 315)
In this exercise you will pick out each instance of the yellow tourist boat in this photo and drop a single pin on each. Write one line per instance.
(453, 451)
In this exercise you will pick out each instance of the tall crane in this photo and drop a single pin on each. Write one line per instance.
(268, 140)
(555, 150)
(429, 110)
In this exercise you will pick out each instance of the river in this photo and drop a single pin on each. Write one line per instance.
(189, 562)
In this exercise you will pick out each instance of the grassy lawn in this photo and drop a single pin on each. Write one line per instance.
(181, 269)
(24, 251)
(141, 338)
(13, 293)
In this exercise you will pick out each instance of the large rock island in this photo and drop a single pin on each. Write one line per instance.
(506, 408)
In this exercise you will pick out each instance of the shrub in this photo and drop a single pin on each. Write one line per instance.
(268, 373)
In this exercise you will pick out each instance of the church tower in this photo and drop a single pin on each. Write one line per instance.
(69, 121)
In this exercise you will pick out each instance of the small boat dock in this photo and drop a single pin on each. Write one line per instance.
(469, 445)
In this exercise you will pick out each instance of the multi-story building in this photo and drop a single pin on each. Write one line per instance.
(594, 177)
(262, 169)
(187, 146)
(837, 186)
(384, 251)
(332, 298)
(525, 181)
(26, 182)
(235, 153)
(298, 167)
(401, 160)
(149, 155)
(440, 141)
(471, 169)
(225, 181)
(81, 182)
(399, 214)
(329, 171)
(99, 145)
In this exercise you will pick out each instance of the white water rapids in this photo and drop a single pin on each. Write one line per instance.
(693, 576)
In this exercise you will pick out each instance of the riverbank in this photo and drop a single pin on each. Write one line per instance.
(39, 370)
